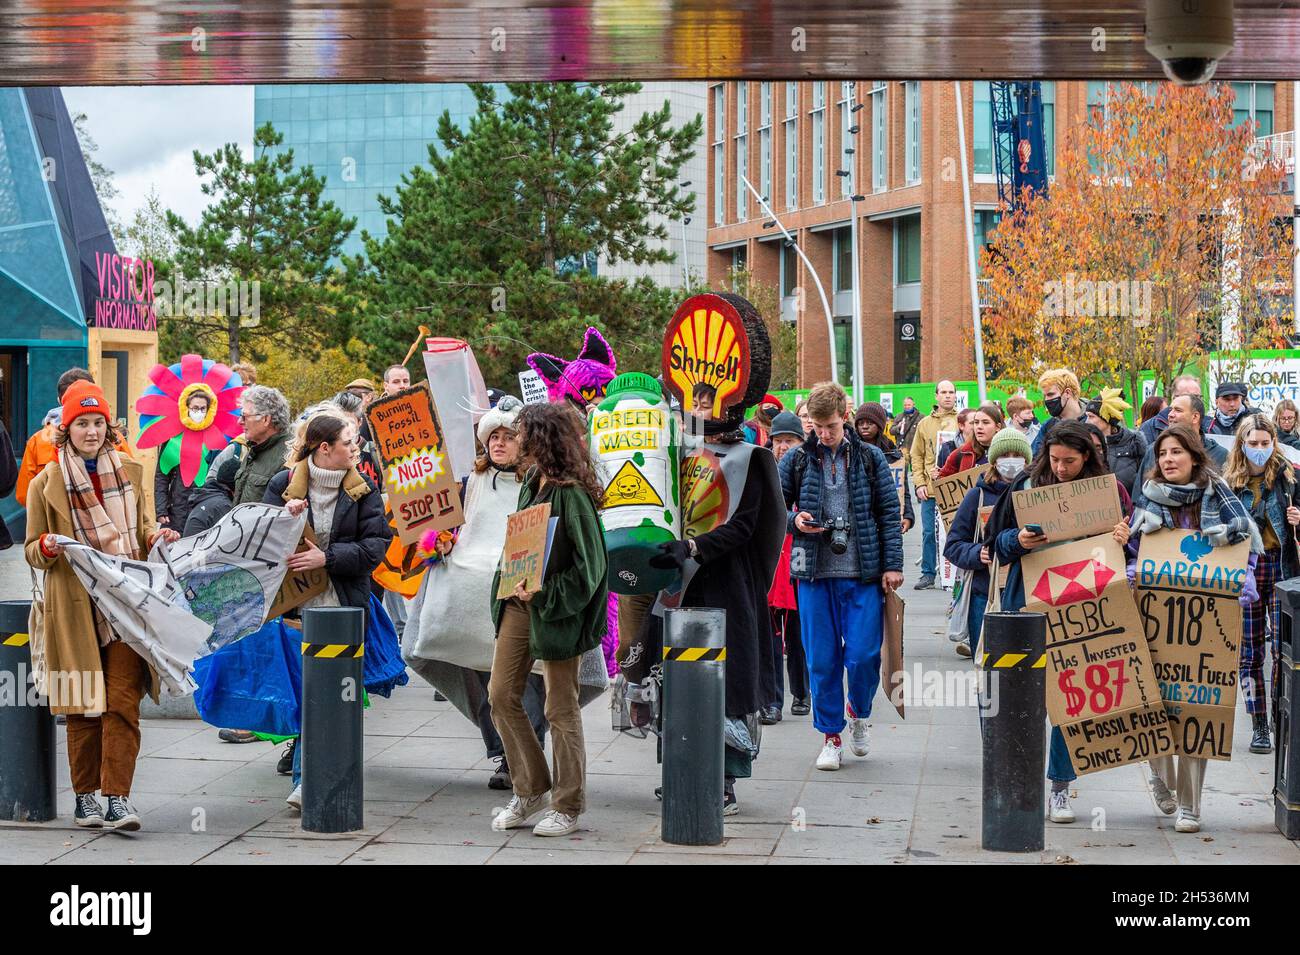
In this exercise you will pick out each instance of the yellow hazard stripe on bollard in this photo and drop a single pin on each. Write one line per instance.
(692, 654)
(332, 650)
(1011, 660)
(16, 640)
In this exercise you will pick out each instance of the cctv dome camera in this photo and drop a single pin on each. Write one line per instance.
(1189, 37)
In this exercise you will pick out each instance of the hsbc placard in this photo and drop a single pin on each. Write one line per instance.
(1101, 685)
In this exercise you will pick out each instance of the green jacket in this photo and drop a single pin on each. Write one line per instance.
(259, 464)
(567, 617)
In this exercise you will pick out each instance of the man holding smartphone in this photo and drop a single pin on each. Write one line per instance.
(836, 480)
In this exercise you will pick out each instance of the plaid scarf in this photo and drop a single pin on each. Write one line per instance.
(107, 527)
(1224, 519)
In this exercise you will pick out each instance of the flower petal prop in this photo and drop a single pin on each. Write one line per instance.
(165, 421)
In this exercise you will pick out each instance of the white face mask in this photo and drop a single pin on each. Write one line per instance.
(1010, 468)
(198, 416)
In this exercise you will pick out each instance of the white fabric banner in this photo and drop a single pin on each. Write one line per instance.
(145, 607)
(196, 595)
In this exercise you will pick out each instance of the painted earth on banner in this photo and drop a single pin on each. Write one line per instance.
(1101, 685)
(1187, 597)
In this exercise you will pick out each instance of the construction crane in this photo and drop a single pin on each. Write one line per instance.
(1019, 155)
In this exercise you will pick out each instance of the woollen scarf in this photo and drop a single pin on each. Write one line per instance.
(109, 527)
(1224, 519)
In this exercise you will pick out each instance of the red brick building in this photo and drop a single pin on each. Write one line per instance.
(789, 139)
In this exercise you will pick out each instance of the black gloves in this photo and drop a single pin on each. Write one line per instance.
(672, 554)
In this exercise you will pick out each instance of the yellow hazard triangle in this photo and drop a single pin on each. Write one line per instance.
(631, 487)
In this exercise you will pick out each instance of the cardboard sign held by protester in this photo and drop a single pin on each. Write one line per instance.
(949, 491)
(1071, 510)
(1187, 597)
(417, 473)
(892, 672)
(1101, 685)
(299, 585)
(528, 543)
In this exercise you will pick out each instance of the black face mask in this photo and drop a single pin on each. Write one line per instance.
(1054, 406)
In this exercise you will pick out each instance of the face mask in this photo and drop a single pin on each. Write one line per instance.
(198, 416)
(1054, 406)
(1010, 468)
(1258, 456)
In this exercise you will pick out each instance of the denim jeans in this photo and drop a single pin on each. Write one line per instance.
(929, 545)
(1059, 767)
(975, 620)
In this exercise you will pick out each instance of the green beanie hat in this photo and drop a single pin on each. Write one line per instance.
(1010, 441)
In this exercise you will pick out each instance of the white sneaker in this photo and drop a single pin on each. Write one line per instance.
(555, 823)
(1161, 795)
(829, 759)
(518, 812)
(1060, 807)
(859, 740)
(294, 799)
(1186, 822)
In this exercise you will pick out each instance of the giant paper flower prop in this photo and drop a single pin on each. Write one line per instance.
(165, 421)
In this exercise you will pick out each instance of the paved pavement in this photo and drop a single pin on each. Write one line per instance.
(914, 799)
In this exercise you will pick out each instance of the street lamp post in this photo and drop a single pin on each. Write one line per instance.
(686, 265)
(826, 305)
(859, 369)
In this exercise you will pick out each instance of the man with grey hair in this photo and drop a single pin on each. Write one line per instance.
(1182, 385)
(265, 414)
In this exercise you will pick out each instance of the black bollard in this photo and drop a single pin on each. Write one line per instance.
(27, 736)
(331, 740)
(1285, 705)
(1014, 711)
(695, 653)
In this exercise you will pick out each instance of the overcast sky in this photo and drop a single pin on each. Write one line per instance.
(147, 136)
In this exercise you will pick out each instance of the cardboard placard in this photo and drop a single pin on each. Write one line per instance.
(301, 585)
(1101, 685)
(1072, 510)
(417, 474)
(892, 673)
(1187, 597)
(949, 491)
(524, 555)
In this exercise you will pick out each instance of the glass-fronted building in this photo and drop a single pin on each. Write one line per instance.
(361, 137)
(51, 230)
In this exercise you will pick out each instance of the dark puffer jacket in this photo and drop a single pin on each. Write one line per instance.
(874, 501)
(1124, 453)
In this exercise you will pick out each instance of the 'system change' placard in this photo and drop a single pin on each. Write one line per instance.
(1101, 686)
(1187, 596)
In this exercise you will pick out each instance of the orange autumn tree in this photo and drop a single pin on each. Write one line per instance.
(1163, 236)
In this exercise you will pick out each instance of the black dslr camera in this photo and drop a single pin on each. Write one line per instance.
(839, 528)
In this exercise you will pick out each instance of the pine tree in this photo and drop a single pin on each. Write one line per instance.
(266, 223)
(101, 177)
(490, 242)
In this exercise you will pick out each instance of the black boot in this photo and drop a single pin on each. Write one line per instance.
(1260, 742)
